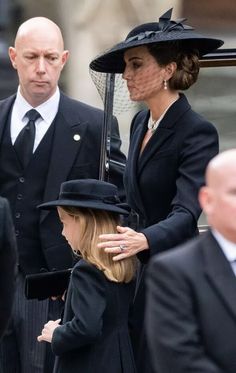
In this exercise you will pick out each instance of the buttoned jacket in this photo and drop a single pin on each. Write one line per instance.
(75, 154)
(162, 183)
(191, 309)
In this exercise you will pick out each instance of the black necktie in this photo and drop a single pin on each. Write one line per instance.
(25, 140)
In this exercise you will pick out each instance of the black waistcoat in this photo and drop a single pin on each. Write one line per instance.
(25, 189)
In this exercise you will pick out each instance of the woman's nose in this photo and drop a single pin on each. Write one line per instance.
(126, 73)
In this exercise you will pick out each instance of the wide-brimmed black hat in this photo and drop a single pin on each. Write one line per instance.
(88, 193)
(164, 31)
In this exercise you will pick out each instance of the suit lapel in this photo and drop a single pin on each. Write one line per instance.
(5, 108)
(68, 134)
(66, 144)
(166, 129)
(133, 159)
(219, 272)
(157, 143)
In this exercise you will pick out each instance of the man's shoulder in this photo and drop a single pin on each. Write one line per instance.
(8, 101)
(184, 254)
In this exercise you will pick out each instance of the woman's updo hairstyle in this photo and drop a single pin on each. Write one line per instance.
(187, 62)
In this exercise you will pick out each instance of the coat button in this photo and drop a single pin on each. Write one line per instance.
(76, 137)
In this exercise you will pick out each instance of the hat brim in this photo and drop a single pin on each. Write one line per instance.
(85, 204)
(112, 61)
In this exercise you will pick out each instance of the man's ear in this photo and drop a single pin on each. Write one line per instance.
(64, 59)
(205, 199)
(12, 56)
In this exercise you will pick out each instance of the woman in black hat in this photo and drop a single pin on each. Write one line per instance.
(170, 144)
(93, 336)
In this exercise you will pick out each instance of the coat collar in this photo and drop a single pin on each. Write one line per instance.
(219, 272)
(164, 131)
(5, 109)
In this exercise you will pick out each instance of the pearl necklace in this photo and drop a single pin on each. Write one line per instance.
(153, 124)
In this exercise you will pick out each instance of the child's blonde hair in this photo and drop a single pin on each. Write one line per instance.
(92, 223)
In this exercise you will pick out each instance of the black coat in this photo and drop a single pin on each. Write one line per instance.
(69, 160)
(7, 264)
(162, 185)
(94, 337)
(191, 309)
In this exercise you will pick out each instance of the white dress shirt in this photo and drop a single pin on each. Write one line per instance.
(47, 110)
(228, 248)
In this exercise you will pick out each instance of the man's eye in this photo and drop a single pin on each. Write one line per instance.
(52, 58)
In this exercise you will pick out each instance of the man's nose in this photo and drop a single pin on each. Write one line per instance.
(41, 65)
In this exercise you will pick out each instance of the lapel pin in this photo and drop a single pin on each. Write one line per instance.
(76, 137)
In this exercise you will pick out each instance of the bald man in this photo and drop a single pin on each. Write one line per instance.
(59, 140)
(191, 305)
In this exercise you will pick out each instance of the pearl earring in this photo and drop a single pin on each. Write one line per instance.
(165, 84)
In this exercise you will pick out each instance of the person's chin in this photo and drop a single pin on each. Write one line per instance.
(41, 92)
(39, 87)
(135, 98)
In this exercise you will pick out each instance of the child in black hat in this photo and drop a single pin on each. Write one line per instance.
(94, 334)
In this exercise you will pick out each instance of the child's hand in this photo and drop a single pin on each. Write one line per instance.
(47, 332)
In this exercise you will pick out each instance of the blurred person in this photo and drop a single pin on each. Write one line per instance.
(45, 138)
(170, 145)
(8, 260)
(94, 335)
(191, 303)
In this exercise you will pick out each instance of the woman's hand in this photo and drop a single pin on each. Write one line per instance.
(125, 243)
(47, 332)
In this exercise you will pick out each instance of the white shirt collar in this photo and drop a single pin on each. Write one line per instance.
(228, 247)
(47, 110)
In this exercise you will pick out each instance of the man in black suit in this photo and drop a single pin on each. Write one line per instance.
(7, 264)
(66, 145)
(191, 305)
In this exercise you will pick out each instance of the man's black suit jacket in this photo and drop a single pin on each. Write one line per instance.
(191, 309)
(8, 258)
(70, 159)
